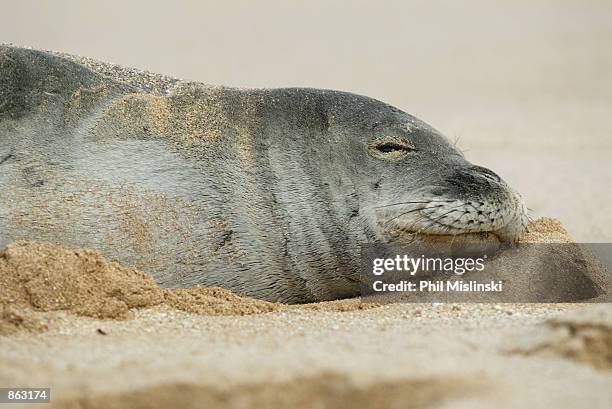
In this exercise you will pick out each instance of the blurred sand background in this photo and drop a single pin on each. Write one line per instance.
(524, 86)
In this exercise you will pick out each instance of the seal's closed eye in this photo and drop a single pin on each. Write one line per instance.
(390, 147)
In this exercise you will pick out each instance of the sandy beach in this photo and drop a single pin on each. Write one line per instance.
(393, 356)
(524, 88)
(128, 343)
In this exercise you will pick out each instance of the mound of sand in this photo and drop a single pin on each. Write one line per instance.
(546, 230)
(48, 277)
(40, 277)
(45, 277)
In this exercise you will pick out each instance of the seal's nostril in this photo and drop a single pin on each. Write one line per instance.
(488, 173)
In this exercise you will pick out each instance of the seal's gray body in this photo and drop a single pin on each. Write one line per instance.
(266, 192)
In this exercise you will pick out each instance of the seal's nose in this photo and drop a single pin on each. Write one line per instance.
(474, 178)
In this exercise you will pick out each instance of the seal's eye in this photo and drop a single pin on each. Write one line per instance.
(390, 147)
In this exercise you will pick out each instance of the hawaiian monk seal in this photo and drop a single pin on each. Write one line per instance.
(267, 192)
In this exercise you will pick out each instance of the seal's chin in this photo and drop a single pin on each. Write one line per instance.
(501, 219)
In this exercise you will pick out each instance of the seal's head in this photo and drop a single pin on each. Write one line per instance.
(419, 182)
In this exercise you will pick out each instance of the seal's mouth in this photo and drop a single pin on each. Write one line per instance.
(459, 238)
(503, 219)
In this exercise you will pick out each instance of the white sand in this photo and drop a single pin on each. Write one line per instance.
(458, 353)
